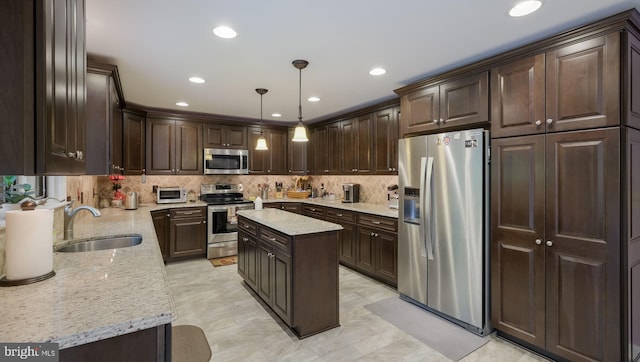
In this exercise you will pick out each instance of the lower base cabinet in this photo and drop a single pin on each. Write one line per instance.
(152, 345)
(296, 276)
(181, 232)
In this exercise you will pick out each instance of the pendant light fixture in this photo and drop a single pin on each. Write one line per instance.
(300, 133)
(261, 145)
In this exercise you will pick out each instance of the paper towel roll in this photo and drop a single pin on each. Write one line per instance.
(29, 244)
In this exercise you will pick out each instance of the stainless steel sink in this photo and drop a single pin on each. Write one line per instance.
(101, 243)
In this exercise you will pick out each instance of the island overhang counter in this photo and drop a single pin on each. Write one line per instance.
(291, 262)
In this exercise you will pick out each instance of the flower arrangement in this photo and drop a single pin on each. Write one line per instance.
(116, 179)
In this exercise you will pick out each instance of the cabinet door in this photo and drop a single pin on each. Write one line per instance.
(251, 252)
(258, 159)
(318, 155)
(364, 145)
(214, 136)
(294, 207)
(98, 122)
(160, 146)
(349, 145)
(632, 90)
(116, 130)
(243, 240)
(385, 130)
(583, 245)
(265, 271)
(60, 82)
(420, 111)
(277, 152)
(236, 137)
(188, 237)
(517, 235)
(297, 155)
(281, 284)
(366, 252)
(347, 246)
(161, 225)
(387, 256)
(465, 101)
(188, 148)
(133, 143)
(517, 98)
(333, 151)
(583, 85)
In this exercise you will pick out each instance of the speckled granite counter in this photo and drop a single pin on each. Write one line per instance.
(374, 209)
(289, 223)
(94, 295)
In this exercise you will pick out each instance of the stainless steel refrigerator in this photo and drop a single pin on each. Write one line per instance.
(443, 244)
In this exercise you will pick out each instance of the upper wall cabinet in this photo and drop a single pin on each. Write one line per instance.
(174, 147)
(385, 145)
(272, 161)
(357, 145)
(449, 105)
(104, 120)
(296, 155)
(42, 86)
(223, 136)
(133, 143)
(570, 88)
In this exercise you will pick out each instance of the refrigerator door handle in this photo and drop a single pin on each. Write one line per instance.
(423, 237)
(425, 184)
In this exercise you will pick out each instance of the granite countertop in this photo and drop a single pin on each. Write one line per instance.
(287, 222)
(94, 295)
(374, 209)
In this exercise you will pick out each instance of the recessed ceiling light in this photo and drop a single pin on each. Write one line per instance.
(525, 8)
(276, 115)
(313, 99)
(197, 80)
(182, 104)
(377, 71)
(224, 32)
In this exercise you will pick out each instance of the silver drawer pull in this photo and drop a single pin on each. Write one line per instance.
(339, 214)
(272, 239)
(245, 239)
(376, 222)
(187, 213)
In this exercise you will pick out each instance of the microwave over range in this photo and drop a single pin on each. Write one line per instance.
(219, 161)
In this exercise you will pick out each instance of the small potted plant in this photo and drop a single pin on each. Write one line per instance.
(15, 194)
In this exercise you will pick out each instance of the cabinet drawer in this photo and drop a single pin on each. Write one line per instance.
(276, 239)
(378, 222)
(313, 211)
(248, 227)
(188, 212)
(340, 215)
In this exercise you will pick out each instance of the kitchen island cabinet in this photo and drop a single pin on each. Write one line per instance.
(297, 267)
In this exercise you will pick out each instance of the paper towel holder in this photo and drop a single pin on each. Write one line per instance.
(4, 282)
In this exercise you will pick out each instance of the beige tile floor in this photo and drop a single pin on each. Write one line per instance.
(240, 328)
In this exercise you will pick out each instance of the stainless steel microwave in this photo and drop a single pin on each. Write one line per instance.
(219, 161)
(171, 195)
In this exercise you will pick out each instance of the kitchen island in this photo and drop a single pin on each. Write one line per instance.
(98, 295)
(291, 262)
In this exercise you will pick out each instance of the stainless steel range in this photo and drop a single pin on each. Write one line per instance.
(224, 201)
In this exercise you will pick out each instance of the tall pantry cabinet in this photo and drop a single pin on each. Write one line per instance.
(565, 180)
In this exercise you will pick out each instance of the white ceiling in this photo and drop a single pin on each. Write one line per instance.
(158, 44)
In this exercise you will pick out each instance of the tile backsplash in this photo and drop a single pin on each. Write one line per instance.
(373, 188)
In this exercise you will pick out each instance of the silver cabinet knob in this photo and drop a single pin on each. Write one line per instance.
(443, 121)
(435, 121)
(549, 243)
(245, 239)
(549, 121)
(538, 241)
(538, 123)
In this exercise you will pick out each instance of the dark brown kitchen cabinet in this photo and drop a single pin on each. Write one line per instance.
(570, 88)
(313, 211)
(294, 207)
(272, 161)
(385, 145)
(160, 220)
(188, 232)
(133, 143)
(377, 247)
(43, 72)
(248, 252)
(556, 253)
(326, 146)
(224, 136)
(103, 120)
(296, 156)
(347, 246)
(357, 145)
(174, 147)
(297, 276)
(449, 105)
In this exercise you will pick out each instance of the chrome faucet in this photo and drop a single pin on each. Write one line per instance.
(70, 215)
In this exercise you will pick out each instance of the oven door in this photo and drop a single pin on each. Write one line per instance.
(222, 225)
